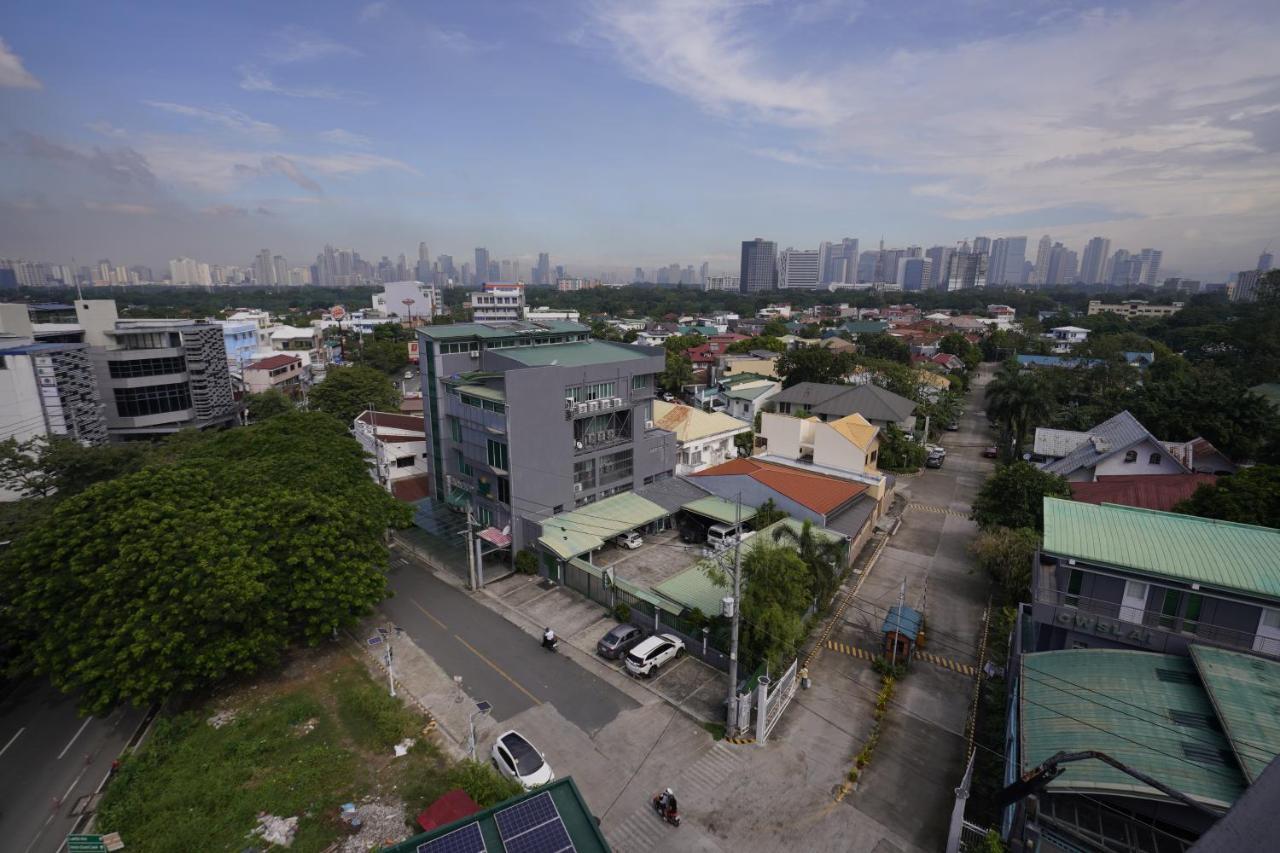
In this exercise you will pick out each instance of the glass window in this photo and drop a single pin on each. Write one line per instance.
(498, 455)
(152, 400)
(504, 490)
(464, 467)
(468, 400)
(1074, 582)
(1169, 607)
(1130, 457)
(498, 408)
(1155, 459)
(601, 390)
(146, 367)
(484, 516)
(639, 381)
(404, 462)
(455, 428)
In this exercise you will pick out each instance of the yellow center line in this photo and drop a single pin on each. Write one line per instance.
(498, 670)
(427, 613)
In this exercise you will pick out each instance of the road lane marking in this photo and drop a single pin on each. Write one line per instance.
(427, 613)
(74, 738)
(11, 740)
(498, 670)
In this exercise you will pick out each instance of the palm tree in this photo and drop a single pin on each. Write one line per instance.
(1018, 400)
(820, 554)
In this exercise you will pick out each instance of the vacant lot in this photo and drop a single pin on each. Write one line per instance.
(299, 744)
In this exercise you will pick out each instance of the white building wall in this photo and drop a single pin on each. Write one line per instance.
(833, 450)
(1142, 465)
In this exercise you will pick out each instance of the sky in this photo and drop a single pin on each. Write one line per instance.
(617, 133)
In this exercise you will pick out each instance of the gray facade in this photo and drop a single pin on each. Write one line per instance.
(759, 270)
(525, 420)
(159, 376)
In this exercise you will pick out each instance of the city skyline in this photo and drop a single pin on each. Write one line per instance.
(295, 125)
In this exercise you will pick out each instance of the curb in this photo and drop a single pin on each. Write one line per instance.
(87, 821)
(741, 741)
(432, 725)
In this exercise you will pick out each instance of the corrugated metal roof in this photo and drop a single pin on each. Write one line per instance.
(818, 492)
(1057, 442)
(1245, 692)
(453, 331)
(1122, 702)
(1149, 491)
(575, 354)
(484, 391)
(572, 533)
(719, 509)
(1112, 436)
(904, 620)
(1240, 557)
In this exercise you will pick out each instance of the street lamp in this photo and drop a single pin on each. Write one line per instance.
(482, 708)
(408, 303)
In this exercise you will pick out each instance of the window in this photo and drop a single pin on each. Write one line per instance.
(484, 516)
(640, 381)
(464, 467)
(498, 455)
(404, 462)
(1130, 457)
(504, 490)
(468, 400)
(574, 394)
(1191, 618)
(1154, 460)
(455, 428)
(146, 367)
(1074, 582)
(1169, 608)
(152, 400)
(497, 408)
(615, 467)
(601, 390)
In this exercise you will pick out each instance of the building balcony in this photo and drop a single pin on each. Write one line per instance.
(593, 441)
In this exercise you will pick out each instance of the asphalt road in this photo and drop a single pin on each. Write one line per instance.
(49, 758)
(498, 662)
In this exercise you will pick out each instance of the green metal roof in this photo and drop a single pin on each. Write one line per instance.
(1269, 391)
(572, 533)
(454, 331)
(484, 391)
(1245, 692)
(1240, 557)
(575, 354)
(573, 809)
(719, 509)
(747, 393)
(735, 379)
(1122, 703)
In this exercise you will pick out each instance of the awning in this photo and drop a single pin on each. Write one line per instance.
(494, 536)
(719, 509)
(458, 498)
(572, 533)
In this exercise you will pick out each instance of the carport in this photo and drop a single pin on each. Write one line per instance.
(719, 510)
(583, 530)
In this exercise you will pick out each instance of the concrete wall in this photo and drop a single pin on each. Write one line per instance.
(784, 433)
(1116, 465)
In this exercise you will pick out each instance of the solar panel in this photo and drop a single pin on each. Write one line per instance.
(533, 826)
(464, 839)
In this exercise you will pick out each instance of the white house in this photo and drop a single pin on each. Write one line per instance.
(422, 300)
(704, 439)
(533, 315)
(396, 446)
(1118, 445)
(652, 338)
(1063, 338)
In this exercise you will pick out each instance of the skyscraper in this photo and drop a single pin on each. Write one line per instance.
(542, 272)
(1093, 263)
(280, 268)
(1040, 273)
(798, 268)
(759, 269)
(1008, 255)
(638, 275)
(940, 260)
(915, 273)
(1150, 267)
(264, 271)
(702, 273)
(482, 266)
(982, 244)
(1265, 261)
(967, 269)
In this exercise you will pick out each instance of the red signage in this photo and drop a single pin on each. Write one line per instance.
(337, 312)
(413, 351)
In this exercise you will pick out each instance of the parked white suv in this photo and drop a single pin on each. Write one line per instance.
(645, 658)
(629, 540)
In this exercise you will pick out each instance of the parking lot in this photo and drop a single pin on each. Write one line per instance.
(662, 556)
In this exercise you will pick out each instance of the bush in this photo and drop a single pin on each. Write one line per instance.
(1006, 556)
(526, 562)
(622, 611)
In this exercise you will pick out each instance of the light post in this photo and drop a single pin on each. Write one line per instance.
(390, 657)
(408, 303)
(482, 708)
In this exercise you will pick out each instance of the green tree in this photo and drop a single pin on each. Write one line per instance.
(1018, 400)
(49, 465)
(1006, 555)
(348, 391)
(678, 374)
(267, 405)
(181, 575)
(886, 347)
(822, 555)
(758, 342)
(767, 513)
(1251, 496)
(775, 328)
(1013, 496)
(382, 354)
(813, 364)
(776, 594)
(957, 344)
(898, 453)
(21, 470)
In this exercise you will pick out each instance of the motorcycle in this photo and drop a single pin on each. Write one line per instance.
(670, 814)
(551, 645)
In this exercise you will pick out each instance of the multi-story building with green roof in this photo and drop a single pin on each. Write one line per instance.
(1113, 576)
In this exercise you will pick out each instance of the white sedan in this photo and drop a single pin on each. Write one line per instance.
(518, 759)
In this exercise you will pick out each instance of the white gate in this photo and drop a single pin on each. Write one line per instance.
(773, 699)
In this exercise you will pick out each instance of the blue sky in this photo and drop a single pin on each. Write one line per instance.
(624, 132)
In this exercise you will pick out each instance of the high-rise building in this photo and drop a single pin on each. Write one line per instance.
(982, 244)
(868, 261)
(702, 272)
(264, 271)
(542, 272)
(721, 282)
(940, 266)
(759, 269)
(181, 271)
(505, 271)
(798, 268)
(638, 275)
(482, 266)
(423, 253)
(1062, 265)
(1094, 262)
(1246, 286)
(1265, 261)
(498, 301)
(1007, 257)
(838, 262)
(915, 274)
(967, 269)
(1150, 267)
(280, 270)
(1040, 273)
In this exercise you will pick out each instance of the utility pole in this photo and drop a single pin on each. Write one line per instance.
(471, 555)
(897, 622)
(731, 719)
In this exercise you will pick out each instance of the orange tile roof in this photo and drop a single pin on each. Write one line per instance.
(818, 492)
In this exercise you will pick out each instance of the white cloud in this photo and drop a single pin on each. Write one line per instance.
(455, 40)
(226, 117)
(1158, 113)
(255, 80)
(119, 207)
(13, 74)
(791, 158)
(338, 136)
(374, 11)
(295, 44)
(106, 128)
(821, 11)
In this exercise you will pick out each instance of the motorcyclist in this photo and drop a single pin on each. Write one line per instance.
(548, 638)
(667, 802)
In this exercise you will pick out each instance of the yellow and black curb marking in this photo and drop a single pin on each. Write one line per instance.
(962, 668)
(740, 740)
(940, 510)
(846, 649)
(844, 602)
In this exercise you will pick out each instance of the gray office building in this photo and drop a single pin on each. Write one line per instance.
(1008, 258)
(759, 269)
(527, 420)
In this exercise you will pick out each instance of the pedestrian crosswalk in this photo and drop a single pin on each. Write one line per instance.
(940, 510)
(643, 830)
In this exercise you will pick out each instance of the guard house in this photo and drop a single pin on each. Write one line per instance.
(901, 630)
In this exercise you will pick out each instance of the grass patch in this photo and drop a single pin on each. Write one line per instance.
(302, 746)
(716, 730)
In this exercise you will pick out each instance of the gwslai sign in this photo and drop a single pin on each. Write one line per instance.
(1104, 627)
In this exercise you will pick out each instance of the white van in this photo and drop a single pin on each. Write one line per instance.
(721, 536)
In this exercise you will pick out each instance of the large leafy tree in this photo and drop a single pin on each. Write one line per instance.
(776, 594)
(898, 453)
(1006, 555)
(348, 391)
(47, 465)
(1018, 400)
(266, 405)
(886, 347)
(183, 574)
(813, 364)
(1251, 496)
(1014, 496)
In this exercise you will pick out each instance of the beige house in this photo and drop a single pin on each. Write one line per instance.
(704, 439)
(738, 364)
(848, 447)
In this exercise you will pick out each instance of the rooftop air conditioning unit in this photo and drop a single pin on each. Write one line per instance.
(577, 488)
(569, 403)
(593, 406)
(648, 424)
(617, 402)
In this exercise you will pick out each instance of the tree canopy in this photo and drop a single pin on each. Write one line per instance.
(813, 364)
(1251, 496)
(776, 594)
(1018, 400)
(1005, 554)
(191, 571)
(348, 391)
(1013, 496)
(266, 405)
